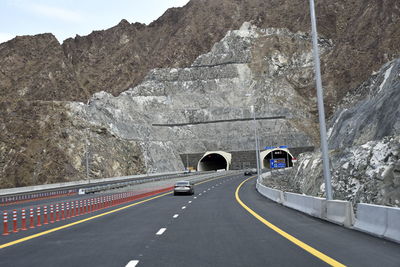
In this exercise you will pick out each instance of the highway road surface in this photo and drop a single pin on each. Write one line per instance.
(226, 223)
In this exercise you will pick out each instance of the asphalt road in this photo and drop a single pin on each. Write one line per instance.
(210, 228)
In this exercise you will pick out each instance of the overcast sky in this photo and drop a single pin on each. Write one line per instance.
(66, 18)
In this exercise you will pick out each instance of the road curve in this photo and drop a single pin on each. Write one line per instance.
(210, 228)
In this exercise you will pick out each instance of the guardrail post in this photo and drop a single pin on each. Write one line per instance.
(5, 223)
(51, 213)
(39, 223)
(84, 206)
(23, 223)
(46, 220)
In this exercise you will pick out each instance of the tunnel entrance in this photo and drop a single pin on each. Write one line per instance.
(213, 161)
(281, 158)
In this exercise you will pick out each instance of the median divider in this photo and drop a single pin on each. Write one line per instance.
(67, 210)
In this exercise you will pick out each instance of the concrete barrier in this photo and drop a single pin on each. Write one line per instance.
(371, 219)
(381, 221)
(340, 212)
(378, 220)
(273, 194)
(313, 206)
(393, 224)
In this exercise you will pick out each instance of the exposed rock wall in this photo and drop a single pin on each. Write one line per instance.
(50, 146)
(365, 146)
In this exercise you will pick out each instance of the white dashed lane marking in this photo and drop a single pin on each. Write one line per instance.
(190, 201)
(161, 231)
(194, 197)
(175, 216)
(184, 207)
(132, 263)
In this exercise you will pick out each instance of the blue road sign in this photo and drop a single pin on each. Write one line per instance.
(277, 163)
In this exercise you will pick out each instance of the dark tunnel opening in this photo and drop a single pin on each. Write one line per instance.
(212, 162)
(282, 159)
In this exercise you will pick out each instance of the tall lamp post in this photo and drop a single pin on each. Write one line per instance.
(321, 110)
(256, 140)
(253, 110)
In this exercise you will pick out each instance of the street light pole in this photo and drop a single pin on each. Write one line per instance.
(321, 110)
(256, 141)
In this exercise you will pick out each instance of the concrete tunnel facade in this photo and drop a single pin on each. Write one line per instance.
(214, 160)
(282, 154)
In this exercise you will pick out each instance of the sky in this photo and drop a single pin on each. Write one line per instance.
(67, 18)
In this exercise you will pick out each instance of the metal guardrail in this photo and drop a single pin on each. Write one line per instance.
(13, 195)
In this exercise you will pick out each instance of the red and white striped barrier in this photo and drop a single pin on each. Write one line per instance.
(38, 217)
(46, 221)
(15, 222)
(31, 218)
(23, 217)
(51, 213)
(66, 210)
(5, 223)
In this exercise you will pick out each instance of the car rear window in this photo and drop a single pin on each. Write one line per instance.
(182, 183)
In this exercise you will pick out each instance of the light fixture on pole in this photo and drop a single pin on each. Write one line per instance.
(321, 110)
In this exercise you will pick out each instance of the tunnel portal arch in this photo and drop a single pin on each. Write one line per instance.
(277, 153)
(214, 160)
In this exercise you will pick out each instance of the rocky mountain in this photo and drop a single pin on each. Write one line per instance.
(365, 34)
(193, 64)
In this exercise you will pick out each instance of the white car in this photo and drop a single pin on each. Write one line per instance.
(184, 187)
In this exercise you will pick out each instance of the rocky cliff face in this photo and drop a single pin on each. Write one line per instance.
(365, 146)
(214, 88)
(52, 146)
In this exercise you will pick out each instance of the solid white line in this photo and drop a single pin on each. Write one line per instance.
(184, 207)
(132, 263)
(175, 216)
(161, 231)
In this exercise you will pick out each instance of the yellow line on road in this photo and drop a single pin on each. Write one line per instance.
(88, 219)
(289, 237)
